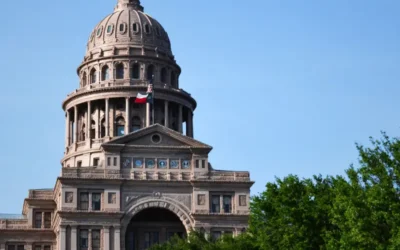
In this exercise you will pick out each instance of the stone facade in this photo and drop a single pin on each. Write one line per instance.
(132, 174)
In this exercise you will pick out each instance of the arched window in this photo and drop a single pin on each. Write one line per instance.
(103, 128)
(93, 76)
(93, 130)
(135, 71)
(150, 72)
(105, 73)
(173, 79)
(164, 75)
(120, 126)
(136, 123)
(84, 79)
(119, 71)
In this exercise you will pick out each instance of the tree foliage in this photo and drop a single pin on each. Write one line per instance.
(360, 210)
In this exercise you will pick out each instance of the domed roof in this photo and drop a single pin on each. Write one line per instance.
(129, 26)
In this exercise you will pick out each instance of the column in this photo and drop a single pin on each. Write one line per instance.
(76, 124)
(90, 239)
(127, 115)
(67, 129)
(63, 236)
(148, 114)
(74, 238)
(89, 119)
(166, 115)
(98, 122)
(106, 238)
(117, 238)
(189, 124)
(107, 115)
(2, 246)
(42, 219)
(180, 119)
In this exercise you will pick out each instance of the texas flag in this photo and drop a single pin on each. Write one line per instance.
(145, 98)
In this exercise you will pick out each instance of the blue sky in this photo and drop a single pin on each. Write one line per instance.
(283, 87)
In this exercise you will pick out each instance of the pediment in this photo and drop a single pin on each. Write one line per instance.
(156, 136)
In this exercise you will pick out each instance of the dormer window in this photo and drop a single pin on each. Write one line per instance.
(99, 31)
(110, 29)
(135, 27)
(147, 28)
(122, 28)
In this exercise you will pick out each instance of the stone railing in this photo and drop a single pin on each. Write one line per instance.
(153, 174)
(14, 224)
(41, 194)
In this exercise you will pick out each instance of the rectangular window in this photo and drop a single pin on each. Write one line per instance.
(115, 161)
(83, 239)
(108, 161)
(96, 162)
(11, 247)
(79, 164)
(95, 239)
(96, 201)
(38, 220)
(47, 220)
(197, 163)
(215, 205)
(84, 201)
(203, 164)
(227, 204)
(20, 247)
(47, 247)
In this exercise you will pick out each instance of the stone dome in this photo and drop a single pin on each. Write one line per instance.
(128, 25)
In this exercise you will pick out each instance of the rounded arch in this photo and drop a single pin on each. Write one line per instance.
(156, 201)
(93, 76)
(105, 73)
(119, 71)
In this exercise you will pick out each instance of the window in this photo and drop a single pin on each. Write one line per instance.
(203, 164)
(84, 201)
(150, 239)
(122, 28)
(216, 235)
(105, 73)
(119, 71)
(110, 29)
(47, 220)
(83, 239)
(99, 31)
(11, 247)
(115, 161)
(164, 75)
(93, 76)
(47, 247)
(112, 198)
(79, 164)
(95, 239)
(147, 28)
(197, 163)
(38, 247)
(120, 122)
(215, 205)
(135, 27)
(173, 79)
(136, 123)
(135, 71)
(96, 201)
(84, 79)
(96, 162)
(150, 72)
(38, 220)
(108, 161)
(227, 204)
(20, 247)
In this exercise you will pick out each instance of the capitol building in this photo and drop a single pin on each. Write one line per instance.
(133, 174)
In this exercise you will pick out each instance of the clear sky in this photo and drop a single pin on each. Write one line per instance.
(283, 87)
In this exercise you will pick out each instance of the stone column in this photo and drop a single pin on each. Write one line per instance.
(89, 119)
(127, 115)
(76, 124)
(42, 220)
(106, 238)
(74, 238)
(2, 246)
(189, 124)
(63, 237)
(90, 239)
(117, 238)
(148, 114)
(67, 129)
(98, 123)
(166, 115)
(107, 115)
(180, 119)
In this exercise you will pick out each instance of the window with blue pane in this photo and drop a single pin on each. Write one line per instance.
(105, 73)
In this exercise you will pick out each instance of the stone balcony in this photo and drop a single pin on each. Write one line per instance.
(155, 174)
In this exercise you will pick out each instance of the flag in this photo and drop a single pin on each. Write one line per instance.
(142, 99)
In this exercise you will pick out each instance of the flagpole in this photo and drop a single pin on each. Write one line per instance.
(153, 102)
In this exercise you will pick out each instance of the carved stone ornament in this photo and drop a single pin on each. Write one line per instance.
(201, 199)
(242, 200)
(69, 197)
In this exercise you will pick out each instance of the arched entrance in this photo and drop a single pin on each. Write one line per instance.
(151, 226)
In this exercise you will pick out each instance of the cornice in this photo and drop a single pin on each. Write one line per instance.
(160, 93)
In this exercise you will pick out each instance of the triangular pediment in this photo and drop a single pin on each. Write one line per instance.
(156, 136)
